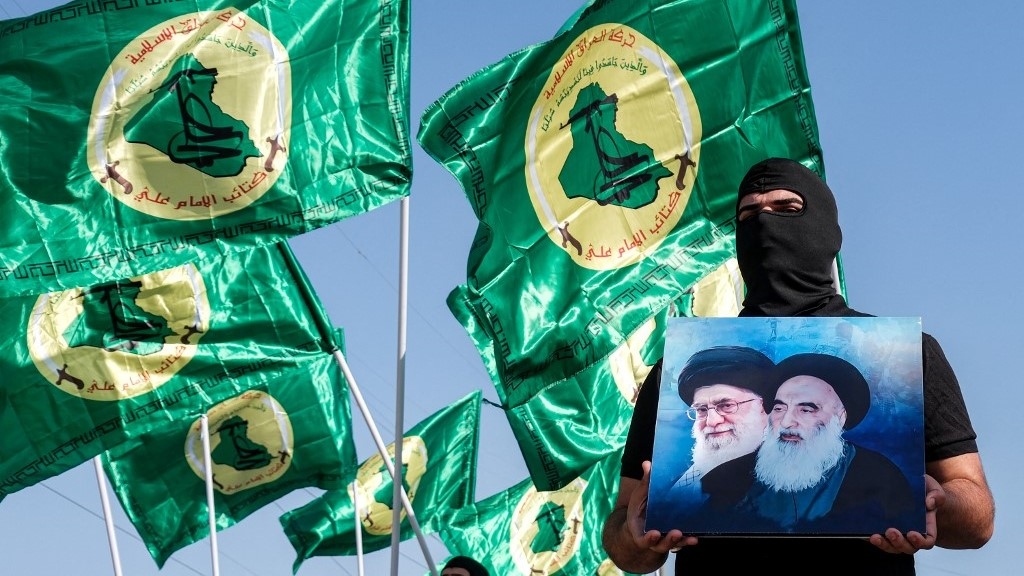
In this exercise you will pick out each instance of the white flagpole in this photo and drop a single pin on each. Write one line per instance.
(403, 268)
(383, 451)
(359, 528)
(115, 557)
(211, 511)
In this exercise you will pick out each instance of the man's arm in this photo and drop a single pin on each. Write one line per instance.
(966, 519)
(624, 539)
(960, 508)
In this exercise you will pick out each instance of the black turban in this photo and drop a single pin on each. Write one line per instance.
(736, 366)
(848, 383)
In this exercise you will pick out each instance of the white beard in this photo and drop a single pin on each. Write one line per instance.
(791, 467)
(710, 452)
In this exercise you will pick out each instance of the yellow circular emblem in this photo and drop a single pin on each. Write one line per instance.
(251, 442)
(627, 365)
(608, 568)
(612, 148)
(547, 528)
(121, 339)
(719, 293)
(192, 117)
(375, 515)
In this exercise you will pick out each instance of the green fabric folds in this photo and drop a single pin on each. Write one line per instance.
(140, 136)
(287, 433)
(88, 369)
(526, 531)
(439, 475)
(603, 166)
(575, 422)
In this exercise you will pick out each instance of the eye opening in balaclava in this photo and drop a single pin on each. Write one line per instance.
(739, 200)
(786, 258)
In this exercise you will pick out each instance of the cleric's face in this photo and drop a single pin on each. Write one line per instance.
(728, 416)
(803, 406)
(805, 437)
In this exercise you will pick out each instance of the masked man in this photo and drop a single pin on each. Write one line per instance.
(787, 239)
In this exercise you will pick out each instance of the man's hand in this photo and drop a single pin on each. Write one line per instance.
(624, 539)
(895, 542)
(636, 517)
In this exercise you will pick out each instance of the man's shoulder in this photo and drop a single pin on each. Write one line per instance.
(930, 344)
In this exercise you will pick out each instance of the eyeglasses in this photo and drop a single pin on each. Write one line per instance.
(723, 408)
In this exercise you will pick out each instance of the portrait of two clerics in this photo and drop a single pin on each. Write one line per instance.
(789, 427)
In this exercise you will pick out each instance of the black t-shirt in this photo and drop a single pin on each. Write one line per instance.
(948, 433)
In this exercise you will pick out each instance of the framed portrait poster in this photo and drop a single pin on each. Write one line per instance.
(789, 427)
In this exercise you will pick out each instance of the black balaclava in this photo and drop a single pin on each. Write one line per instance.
(786, 258)
(465, 562)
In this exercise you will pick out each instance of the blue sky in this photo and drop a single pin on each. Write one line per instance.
(918, 110)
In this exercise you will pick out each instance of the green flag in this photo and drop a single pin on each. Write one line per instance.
(89, 368)
(288, 433)
(439, 475)
(603, 167)
(526, 531)
(576, 422)
(139, 135)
